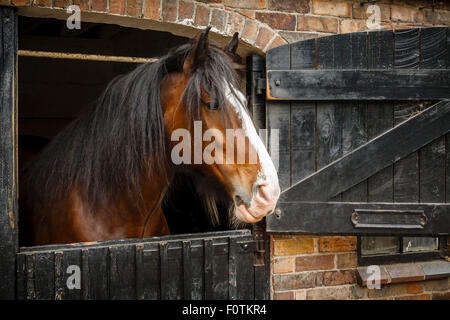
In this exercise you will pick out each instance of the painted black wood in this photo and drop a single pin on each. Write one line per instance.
(336, 138)
(373, 156)
(8, 151)
(302, 217)
(358, 85)
(217, 265)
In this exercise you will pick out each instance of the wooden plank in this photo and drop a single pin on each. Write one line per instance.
(122, 273)
(406, 175)
(406, 170)
(354, 127)
(303, 136)
(301, 217)
(380, 119)
(96, 276)
(373, 156)
(433, 52)
(44, 276)
(197, 269)
(187, 270)
(278, 120)
(380, 114)
(208, 270)
(279, 115)
(174, 283)
(21, 277)
(62, 261)
(220, 270)
(358, 84)
(244, 269)
(303, 56)
(8, 152)
(152, 273)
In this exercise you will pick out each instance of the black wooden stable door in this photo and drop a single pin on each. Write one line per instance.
(362, 142)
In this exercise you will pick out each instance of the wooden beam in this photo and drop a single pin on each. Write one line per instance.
(8, 152)
(83, 56)
(354, 218)
(358, 84)
(373, 156)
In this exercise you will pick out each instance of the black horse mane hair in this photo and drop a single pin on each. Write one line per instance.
(110, 148)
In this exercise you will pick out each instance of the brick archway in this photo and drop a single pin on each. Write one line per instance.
(180, 17)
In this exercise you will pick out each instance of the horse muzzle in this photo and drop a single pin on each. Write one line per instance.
(261, 204)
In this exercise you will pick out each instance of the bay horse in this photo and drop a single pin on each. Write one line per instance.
(105, 175)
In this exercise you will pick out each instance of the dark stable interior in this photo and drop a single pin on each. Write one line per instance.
(52, 92)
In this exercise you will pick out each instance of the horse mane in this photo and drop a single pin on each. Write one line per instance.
(118, 140)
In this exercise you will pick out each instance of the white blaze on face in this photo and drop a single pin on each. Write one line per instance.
(266, 189)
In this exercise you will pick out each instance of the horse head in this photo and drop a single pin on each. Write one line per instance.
(211, 132)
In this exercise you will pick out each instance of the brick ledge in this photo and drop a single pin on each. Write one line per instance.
(407, 272)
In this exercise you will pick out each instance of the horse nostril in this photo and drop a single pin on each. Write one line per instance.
(238, 200)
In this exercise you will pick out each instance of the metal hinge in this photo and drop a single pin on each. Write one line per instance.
(260, 85)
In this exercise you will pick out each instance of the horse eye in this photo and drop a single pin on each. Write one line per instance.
(212, 105)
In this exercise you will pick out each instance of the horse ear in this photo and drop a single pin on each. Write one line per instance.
(231, 47)
(198, 52)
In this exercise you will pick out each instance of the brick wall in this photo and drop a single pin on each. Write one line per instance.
(306, 267)
(263, 24)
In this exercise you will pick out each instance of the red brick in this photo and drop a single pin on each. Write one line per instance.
(218, 19)
(336, 244)
(152, 9)
(437, 17)
(278, 41)
(389, 290)
(297, 6)
(83, 4)
(117, 6)
(330, 293)
(277, 20)
(169, 10)
(294, 246)
(66, 3)
(246, 4)
(331, 8)
(315, 262)
(292, 36)
(414, 288)
(186, 10)
(247, 13)
(21, 3)
(348, 26)
(134, 8)
(346, 260)
(441, 295)
(294, 281)
(283, 265)
(98, 5)
(407, 14)
(235, 22)
(323, 24)
(202, 16)
(289, 295)
(335, 278)
(250, 30)
(417, 297)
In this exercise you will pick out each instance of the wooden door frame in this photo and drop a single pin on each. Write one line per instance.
(8, 152)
